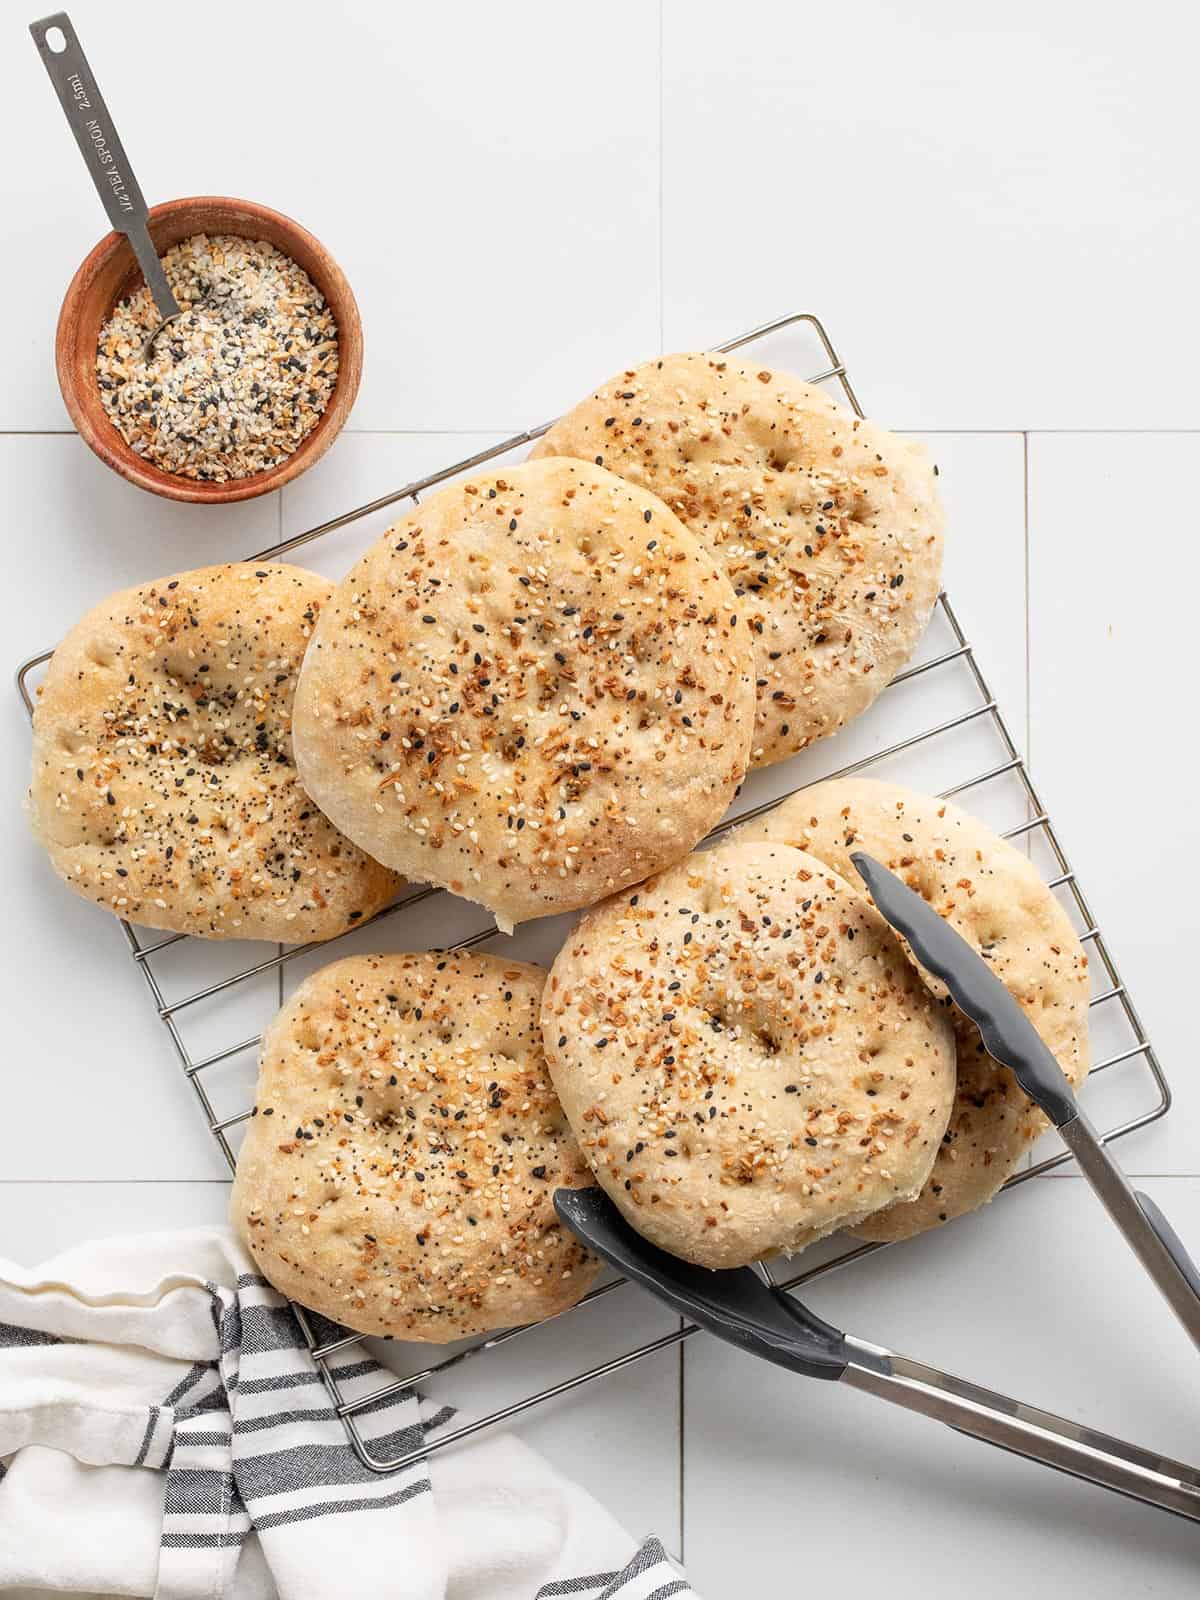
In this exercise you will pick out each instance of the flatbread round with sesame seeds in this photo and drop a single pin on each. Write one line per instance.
(164, 786)
(532, 691)
(399, 1171)
(746, 1057)
(996, 899)
(829, 527)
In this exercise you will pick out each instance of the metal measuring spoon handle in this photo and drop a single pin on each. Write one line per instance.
(102, 150)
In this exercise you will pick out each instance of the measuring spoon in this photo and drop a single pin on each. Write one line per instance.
(103, 153)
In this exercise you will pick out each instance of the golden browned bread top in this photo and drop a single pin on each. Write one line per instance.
(995, 898)
(533, 690)
(164, 785)
(399, 1170)
(746, 1056)
(828, 526)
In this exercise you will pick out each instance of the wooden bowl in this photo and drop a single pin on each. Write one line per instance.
(111, 272)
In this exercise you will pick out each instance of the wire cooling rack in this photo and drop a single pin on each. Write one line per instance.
(937, 726)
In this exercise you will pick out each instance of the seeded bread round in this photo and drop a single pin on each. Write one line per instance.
(829, 527)
(399, 1170)
(164, 785)
(994, 897)
(747, 1058)
(532, 691)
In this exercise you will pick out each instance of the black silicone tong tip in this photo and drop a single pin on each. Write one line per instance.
(736, 1305)
(1007, 1032)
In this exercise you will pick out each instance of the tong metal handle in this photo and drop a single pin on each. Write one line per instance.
(100, 146)
(1147, 1232)
(1025, 1430)
(755, 1316)
(1011, 1038)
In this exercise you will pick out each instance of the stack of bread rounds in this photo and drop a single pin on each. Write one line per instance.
(400, 1166)
(164, 784)
(994, 897)
(828, 526)
(532, 691)
(746, 1056)
(539, 691)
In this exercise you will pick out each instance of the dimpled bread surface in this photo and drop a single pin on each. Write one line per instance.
(746, 1055)
(828, 526)
(399, 1169)
(532, 691)
(164, 785)
(994, 897)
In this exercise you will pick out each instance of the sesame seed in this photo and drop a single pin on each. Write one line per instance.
(236, 383)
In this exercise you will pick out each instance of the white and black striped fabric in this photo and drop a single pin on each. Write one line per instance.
(651, 1575)
(263, 1493)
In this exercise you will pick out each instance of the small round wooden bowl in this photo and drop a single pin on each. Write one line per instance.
(111, 272)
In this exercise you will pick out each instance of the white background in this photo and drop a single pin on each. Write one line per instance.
(994, 212)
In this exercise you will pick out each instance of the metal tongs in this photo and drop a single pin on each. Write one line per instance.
(1012, 1040)
(746, 1311)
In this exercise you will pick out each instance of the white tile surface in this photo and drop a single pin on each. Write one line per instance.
(982, 480)
(486, 176)
(991, 205)
(40, 1220)
(79, 1013)
(364, 468)
(1030, 1297)
(973, 201)
(1110, 630)
(620, 1436)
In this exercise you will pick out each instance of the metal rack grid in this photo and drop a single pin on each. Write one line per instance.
(959, 657)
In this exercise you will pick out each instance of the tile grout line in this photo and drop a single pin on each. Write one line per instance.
(682, 1450)
(661, 220)
(279, 948)
(506, 428)
(1028, 608)
(1026, 843)
(681, 1353)
(1075, 1176)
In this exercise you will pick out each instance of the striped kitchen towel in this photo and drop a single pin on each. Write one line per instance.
(165, 1432)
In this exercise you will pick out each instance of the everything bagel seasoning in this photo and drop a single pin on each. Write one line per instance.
(237, 382)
